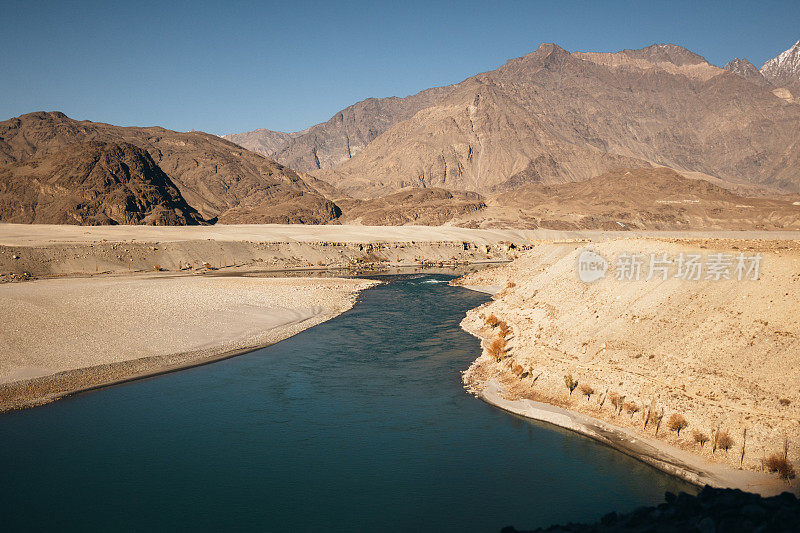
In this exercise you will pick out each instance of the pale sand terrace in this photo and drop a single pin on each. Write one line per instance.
(36, 234)
(723, 354)
(130, 326)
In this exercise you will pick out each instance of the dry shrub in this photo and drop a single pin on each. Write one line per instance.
(497, 348)
(780, 465)
(724, 441)
(157, 268)
(492, 320)
(587, 391)
(656, 419)
(785, 401)
(699, 437)
(615, 399)
(631, 408)
(517, 369)
(677, 422)
(570, 383)
(504, 329)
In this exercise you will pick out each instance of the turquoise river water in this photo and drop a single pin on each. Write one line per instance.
(358, 424)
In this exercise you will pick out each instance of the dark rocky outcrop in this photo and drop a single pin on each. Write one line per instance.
(213, 175)
(713, 510)
(92, 183)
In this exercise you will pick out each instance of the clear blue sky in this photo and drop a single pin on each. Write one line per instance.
(235, 66)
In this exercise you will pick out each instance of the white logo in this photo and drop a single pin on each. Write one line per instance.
(591, 266)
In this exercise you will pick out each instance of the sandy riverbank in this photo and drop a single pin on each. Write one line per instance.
(670, 459)
(65, 335)
(723, 354)
(40, 251)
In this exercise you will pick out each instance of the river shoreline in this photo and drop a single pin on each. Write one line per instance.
(658, 454)
(101, 348)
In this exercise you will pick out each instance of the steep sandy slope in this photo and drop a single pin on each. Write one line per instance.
(722, 354)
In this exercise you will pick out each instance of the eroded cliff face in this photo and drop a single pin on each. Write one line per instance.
(721, 354)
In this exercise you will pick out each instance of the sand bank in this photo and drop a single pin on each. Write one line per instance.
(669, 459)
(37, 234)
(722, 354)
(64, 335)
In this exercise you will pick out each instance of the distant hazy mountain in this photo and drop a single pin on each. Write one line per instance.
(340, 138)
(785, 68)
(262, 141)
(99, 173)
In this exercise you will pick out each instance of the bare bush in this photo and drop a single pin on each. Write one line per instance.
(631, 408)
(724, 441)
(604, 398)
(504, 330)
(587, 391)
(699, 437)
(677, 422)
(780, 465)
(497, 348)
(570, 383)
(785, 401)
(657, 418)
(615, 399)
(492, 320)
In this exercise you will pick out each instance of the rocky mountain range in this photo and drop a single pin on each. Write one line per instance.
(327, 144)
(554, 116)
(92, 183)
(500, 148)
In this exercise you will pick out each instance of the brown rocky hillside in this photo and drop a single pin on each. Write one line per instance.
(92, 183)
(213, 175)
(651, 199)
(552, 117)
(327, 144)
(427, 207)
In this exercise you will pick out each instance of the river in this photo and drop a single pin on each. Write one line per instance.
(358, 424)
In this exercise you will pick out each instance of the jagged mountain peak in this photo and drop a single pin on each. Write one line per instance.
(744, 68)
(740, 65)
(784, 69)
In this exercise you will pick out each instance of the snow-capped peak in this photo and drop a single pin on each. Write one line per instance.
(785, 68)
